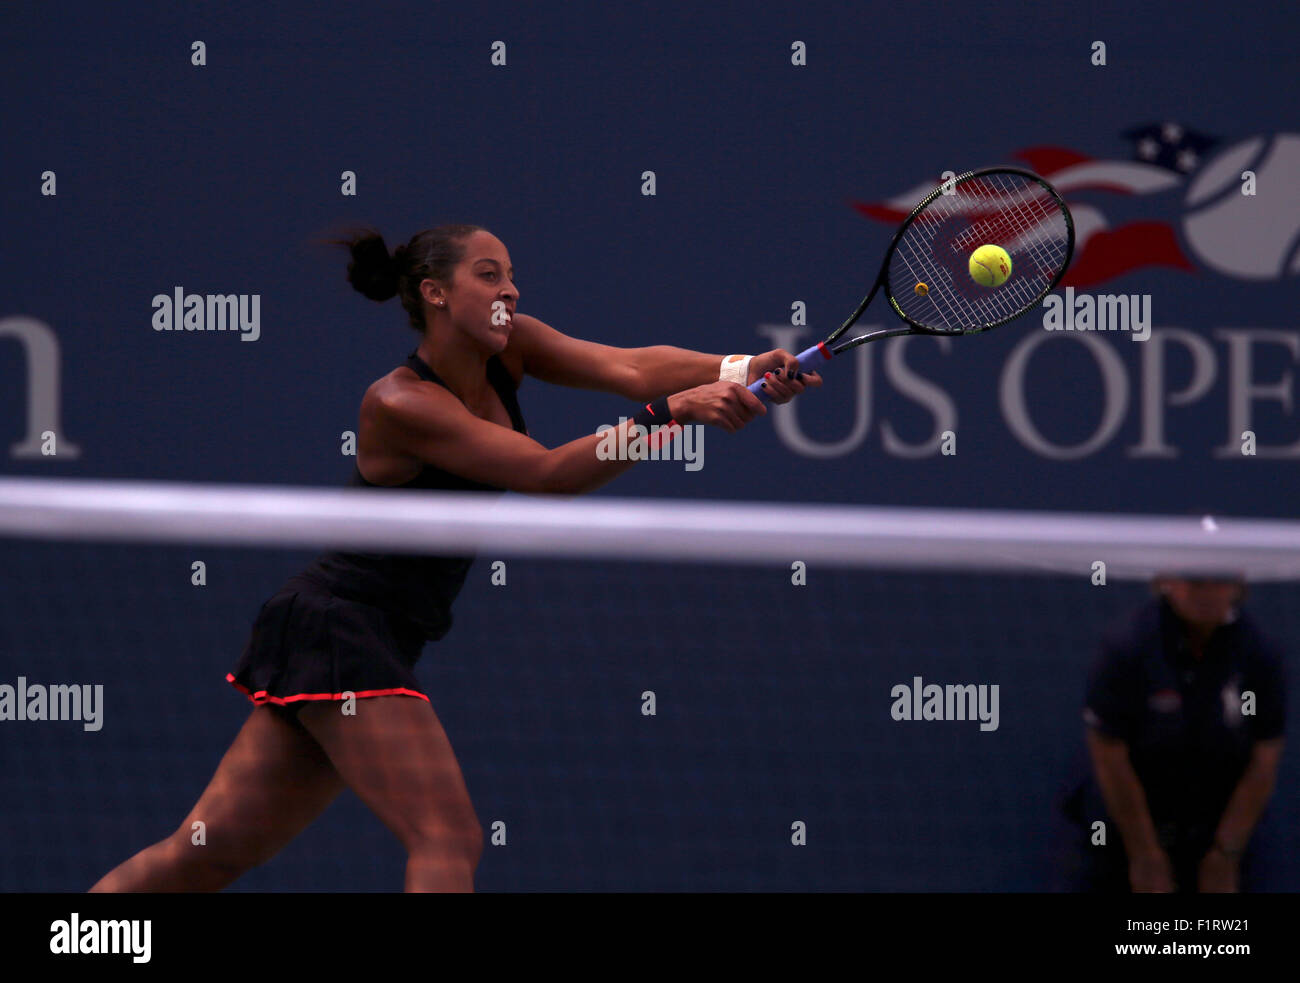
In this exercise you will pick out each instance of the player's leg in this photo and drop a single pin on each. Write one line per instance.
(395, 755)
(272, 782)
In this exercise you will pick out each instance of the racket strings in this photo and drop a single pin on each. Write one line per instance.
(1015, 226)
(1039, 210)
(936, 279)
(1004, 209)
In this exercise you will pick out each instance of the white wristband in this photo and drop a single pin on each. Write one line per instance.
(735, 368)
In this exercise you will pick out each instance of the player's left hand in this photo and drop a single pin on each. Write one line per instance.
(1217, 874)
(780, 373)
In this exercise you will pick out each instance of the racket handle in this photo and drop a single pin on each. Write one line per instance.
(808, 362)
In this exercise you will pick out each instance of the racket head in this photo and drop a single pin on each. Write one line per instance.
(1003, 206)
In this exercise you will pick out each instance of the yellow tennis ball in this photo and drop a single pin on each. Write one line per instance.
(990, 266)
(922, 290)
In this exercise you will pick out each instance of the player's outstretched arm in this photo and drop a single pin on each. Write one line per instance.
(430, 425)
(640, 374)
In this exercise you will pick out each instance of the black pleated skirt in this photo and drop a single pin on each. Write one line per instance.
(308, 644)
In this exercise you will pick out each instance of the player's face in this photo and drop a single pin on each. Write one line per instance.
(1204, 603)
(483, 296)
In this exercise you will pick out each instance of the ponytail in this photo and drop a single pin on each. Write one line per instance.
(430, 255)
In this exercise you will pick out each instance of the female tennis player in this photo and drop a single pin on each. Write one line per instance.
(329, 661)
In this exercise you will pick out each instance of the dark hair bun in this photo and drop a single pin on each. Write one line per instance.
(372, 271)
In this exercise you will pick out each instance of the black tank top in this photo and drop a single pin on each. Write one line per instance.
(419, 588)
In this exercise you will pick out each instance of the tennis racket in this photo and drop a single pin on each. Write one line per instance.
(926, 273)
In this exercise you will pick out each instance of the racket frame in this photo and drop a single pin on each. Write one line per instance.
(882, 279)
(810, 357)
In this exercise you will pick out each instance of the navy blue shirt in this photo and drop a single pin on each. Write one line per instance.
(1182, 718)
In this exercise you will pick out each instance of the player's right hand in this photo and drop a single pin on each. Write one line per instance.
(724, 404)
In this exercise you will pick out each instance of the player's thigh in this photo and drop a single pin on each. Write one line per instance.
(271, 783)
(394, 753)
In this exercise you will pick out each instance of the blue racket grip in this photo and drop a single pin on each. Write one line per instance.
(809, 359)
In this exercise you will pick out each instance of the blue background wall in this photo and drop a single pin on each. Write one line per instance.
(218, 178)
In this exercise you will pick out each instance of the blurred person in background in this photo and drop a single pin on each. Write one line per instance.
(1185, 712)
